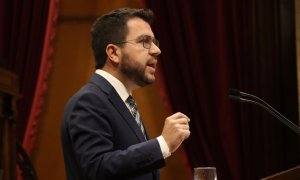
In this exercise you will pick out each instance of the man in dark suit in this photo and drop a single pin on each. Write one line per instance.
(103, 136)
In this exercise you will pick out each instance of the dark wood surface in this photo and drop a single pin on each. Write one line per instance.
(8, 114)
(290, 174)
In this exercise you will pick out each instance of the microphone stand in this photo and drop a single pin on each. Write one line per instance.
(249, 98)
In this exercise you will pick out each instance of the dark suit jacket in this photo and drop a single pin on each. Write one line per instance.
(101, 139)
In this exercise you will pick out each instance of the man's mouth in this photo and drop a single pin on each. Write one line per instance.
(152, 64)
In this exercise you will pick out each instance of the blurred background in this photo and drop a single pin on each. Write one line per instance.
(208, 46)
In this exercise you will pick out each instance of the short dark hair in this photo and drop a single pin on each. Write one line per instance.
(111, 27)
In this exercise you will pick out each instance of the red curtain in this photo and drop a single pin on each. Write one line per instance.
(209, 46)
(21, 43)
(41, 84)
(25, 49)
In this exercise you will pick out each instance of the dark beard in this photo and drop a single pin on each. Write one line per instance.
(134, 71)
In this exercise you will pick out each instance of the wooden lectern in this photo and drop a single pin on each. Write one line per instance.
(9, 94)
(290, 174)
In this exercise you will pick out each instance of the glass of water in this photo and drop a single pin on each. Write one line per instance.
(205, 173)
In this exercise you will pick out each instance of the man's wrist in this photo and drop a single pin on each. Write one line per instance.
(164, 147)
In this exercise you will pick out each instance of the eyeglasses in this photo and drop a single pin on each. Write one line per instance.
(145, 40)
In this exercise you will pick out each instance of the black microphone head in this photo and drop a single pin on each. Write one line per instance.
(234, 94)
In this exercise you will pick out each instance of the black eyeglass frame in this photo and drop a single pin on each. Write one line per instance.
(144, 39)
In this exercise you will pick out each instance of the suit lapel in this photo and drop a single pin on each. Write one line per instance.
(117, 102)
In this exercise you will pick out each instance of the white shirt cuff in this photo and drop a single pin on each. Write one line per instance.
(164, 147)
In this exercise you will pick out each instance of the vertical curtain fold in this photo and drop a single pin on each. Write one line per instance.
(41, 84)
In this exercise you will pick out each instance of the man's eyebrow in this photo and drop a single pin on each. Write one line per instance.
(143, 36)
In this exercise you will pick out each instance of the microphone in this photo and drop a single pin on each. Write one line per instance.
(243, 97)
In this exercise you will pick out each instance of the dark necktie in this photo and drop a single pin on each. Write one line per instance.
(135, 113)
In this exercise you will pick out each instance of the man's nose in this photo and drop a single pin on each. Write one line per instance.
(154, 50)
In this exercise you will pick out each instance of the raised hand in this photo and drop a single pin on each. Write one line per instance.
(176, 130)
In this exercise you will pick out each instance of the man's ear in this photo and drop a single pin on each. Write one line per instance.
(113, 53)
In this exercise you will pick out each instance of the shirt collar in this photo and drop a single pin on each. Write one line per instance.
(117, 84)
